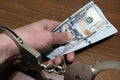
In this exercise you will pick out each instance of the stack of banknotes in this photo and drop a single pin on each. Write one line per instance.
(87, 25)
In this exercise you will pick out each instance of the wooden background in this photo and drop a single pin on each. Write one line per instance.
(17, 13)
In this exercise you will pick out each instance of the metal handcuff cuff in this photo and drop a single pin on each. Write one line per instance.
(32, 59)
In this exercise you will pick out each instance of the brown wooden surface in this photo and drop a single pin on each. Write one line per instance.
(17, 13)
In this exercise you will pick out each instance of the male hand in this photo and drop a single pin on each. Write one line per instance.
(40, 36)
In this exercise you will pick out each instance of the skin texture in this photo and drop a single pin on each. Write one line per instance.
(39, 35)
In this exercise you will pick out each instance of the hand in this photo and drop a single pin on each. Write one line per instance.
(39, 35)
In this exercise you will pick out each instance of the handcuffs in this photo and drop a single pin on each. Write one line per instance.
(32, 60)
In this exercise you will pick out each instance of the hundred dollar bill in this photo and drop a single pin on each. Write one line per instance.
(88, 25)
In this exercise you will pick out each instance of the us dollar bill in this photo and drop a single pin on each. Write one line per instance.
(87, 25)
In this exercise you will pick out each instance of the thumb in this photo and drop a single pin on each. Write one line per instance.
(61, 38)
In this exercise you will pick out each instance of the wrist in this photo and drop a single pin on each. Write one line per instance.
(8, 48)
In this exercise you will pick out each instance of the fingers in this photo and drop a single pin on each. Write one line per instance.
(70, 57)
(50, 62)
(61, 38)
(58, 60)
(58, 38)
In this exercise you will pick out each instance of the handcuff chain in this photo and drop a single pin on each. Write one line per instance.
(53, 69)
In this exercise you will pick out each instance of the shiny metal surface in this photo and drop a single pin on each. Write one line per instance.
(89, 72)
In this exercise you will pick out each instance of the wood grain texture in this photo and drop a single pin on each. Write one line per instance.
(17, 13)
